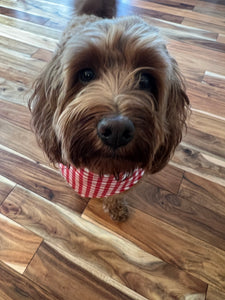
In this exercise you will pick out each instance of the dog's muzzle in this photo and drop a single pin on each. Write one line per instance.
(116, 131)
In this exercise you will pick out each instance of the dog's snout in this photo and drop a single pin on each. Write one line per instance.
(116, 131)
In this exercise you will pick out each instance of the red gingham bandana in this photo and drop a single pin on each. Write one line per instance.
(91, 185)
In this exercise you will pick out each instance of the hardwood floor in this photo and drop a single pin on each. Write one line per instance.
(55, 245)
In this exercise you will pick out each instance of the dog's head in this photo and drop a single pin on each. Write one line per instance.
(112, 99)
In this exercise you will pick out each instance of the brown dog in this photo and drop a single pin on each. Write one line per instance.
(110, 105)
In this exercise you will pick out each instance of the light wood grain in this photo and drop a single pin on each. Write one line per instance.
(186, 34)
(14, 286)
(169, 178)
(203, 192)
(44, 181)
(49, 268)
(8, 111)
(18, 245)
(211, 124)
(221, 38)
(30, 27)
(203, 141)
(177, 11)
(206, 98)
(214, 79)
(105, 254)
(6, 186)
(197, 162)
(22, 140)
(38, 12)
(187, 253)
(204, 24)
(195, 65)
(210, 9)
(43, 55)
(27, 37)
(193, 217)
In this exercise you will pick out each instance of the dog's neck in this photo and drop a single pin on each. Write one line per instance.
(91, 185)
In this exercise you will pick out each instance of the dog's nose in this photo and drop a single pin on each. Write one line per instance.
(116, 131)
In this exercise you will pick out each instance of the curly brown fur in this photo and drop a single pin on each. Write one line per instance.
(66, 111)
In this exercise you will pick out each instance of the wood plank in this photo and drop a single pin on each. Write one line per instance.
(181, 32)
(169, 179)
(221, 38)
(206, 98)
(59, 25)
(193, 217)
(39, 8)
(205, 122)
(204, 24)
(166, 242)
(28, 37)
(69, 3)
(205, 142)
(186, 34)
(44, 181)
(177, 4)
(189, 2)
(176, 11)
(197, 162)
(99, 251)
(214, 79)
(203, 192)
(215, 294)
(18, 245)
(195, 65)
(59, 274)
(22, 15)
(210, 9)
(15, 286)
(16, 80)
(125, 10)
(21, 140)
(6, 186)
(22, 60)
(14, 47)
(215, 1)
(43, 55)
(31, 27)
(16, 114)
(9, 89)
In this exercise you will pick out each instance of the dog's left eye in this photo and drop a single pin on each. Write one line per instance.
(86, 75)
(145, 81)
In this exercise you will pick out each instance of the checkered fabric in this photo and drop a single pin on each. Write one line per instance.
(91, 185)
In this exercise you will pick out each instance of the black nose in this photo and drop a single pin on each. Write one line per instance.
(116, 131)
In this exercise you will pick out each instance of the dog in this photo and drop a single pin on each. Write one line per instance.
(110, 106)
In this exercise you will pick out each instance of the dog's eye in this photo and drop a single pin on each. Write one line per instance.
(86, 75)
(146, 81)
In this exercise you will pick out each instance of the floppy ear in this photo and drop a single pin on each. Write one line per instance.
(177, 110)
(42, 104)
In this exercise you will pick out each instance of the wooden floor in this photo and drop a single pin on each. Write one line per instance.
(54, 245)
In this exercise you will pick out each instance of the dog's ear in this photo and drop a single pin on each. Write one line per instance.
(43, 104)
(177, 110)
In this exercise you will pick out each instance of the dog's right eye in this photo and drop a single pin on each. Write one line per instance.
(146, 81)
(86, 75)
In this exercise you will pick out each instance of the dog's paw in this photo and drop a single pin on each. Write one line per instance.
(117, 209)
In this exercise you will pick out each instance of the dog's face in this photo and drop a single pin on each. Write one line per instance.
(111, 99)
